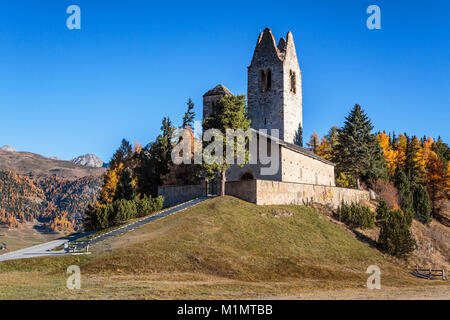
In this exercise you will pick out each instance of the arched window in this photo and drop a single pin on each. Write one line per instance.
(268, 79)
(293, 81)
(247, 176)
(262, 80)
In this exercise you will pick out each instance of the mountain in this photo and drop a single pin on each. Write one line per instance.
(36, 165)
(89, 160)
(8, 148)
(56, 193)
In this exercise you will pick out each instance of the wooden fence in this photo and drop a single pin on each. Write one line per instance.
(430, 274)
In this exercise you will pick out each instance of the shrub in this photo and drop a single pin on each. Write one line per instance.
(357, 215)
(387, 191)
(120, 211)
(395, 237)
(422, 206)
(147, 205)
(124, 210)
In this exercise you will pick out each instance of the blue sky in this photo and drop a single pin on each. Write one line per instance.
(69, 92)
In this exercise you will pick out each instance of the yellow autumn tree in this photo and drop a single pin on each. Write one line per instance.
(111, 179)
(390, 154)
(419, 157)
(314, 142)
(324, 149)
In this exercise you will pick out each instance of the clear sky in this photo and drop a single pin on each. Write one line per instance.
(69, 92)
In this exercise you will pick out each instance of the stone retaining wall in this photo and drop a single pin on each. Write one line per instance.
(275, 192)
(174, 195)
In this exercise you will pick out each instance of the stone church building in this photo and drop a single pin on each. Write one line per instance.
(274, 100)
(274, 96)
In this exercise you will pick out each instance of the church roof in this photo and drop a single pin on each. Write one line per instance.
(296, 148)
(218, 90)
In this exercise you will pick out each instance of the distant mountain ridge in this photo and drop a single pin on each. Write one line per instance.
(88, 160)
(37, 165)
(55, 192)
(8, 148)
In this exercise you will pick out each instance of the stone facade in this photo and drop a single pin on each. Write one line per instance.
(274, 90)
(296, 164)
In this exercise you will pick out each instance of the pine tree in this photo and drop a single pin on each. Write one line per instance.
(382, 211)
(401, 182)
(358, 153)
(422, 205)
(125, 187)
(121, 154)
(188, 119)
(228, 113)
(155, 160)
(412, 166)
(395, 238)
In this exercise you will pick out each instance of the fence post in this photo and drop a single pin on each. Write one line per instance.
(429, 277)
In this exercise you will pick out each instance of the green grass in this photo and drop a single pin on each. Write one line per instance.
(214, 250)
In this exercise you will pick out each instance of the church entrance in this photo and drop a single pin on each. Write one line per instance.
(212, 188)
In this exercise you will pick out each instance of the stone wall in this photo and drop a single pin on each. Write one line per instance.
(275, 192)
(245, 190)
(174, 195)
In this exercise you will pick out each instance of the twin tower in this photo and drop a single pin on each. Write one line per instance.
(274, 91)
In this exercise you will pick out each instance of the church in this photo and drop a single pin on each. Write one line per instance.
(274, 102)
(274, 96)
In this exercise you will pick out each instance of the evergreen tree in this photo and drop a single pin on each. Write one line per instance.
(382, 211)
(411, 168)
(422, 205)
(395, 238)
(358, 153)
(125, 188)
(442, 150)
(121, 154)
(406, 197)
(155, 160)
(228, 113)
(188, 119)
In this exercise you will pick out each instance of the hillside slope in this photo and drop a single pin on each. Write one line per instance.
(221, 248)
(58, 203)
(231, 238)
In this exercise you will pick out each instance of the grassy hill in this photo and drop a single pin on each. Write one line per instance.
(222, 248)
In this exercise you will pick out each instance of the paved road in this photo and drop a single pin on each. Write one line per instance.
(44, 249)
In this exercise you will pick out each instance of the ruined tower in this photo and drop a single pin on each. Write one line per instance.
(275, 87)
(211, 97)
